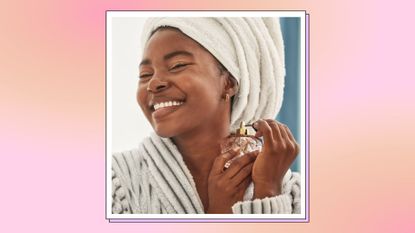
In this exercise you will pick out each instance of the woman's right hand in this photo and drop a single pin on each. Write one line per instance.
(226, 187)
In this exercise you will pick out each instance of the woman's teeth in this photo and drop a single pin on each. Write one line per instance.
(167, 104)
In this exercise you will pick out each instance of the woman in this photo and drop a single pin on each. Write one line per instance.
(199, 77)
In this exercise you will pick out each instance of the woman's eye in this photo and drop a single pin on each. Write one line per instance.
(178, 66)
(145, 75)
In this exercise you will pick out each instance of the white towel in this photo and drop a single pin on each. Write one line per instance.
(251, 49)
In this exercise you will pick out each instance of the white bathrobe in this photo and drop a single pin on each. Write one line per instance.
(154, 179)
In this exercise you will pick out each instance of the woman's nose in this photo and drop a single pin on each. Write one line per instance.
(157, 84)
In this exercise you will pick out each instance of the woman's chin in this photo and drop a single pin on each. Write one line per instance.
(163, 132)
(164, 135)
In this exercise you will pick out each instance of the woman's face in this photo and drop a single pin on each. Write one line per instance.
(181, 87)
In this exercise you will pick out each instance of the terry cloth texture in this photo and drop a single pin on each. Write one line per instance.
(251, 49)
(154, 179)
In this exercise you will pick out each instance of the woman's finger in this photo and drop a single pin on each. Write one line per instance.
(220, 161)
(239, 163)
(243, 185)
(263, 129)
(291, 137)
(284, 133)
(276, 131)
(242, 175)
(291, 140)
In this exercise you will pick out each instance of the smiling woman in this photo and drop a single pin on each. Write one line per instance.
(176, 68)
(198, 78)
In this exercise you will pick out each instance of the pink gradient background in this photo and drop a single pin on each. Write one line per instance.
(52, 67)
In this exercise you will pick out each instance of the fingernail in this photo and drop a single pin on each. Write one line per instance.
(255, 125)
(235, 149)
(226, 155)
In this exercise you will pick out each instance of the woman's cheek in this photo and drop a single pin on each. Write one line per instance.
(141, 98)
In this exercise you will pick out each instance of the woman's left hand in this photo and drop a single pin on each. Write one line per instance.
(278, 153)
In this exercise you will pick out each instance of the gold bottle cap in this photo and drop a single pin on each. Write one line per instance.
(242, 129)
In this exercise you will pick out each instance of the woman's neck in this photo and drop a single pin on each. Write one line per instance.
(200, 147)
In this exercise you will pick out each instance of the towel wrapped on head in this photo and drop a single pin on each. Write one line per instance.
(251, 49)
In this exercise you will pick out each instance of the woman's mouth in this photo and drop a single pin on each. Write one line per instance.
(162, 109)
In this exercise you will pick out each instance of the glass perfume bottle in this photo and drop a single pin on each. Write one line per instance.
(243, 139)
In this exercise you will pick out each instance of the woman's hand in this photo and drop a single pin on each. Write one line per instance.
(277, 155)
(226, 187)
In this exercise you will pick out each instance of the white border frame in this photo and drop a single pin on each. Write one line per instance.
(144, 14)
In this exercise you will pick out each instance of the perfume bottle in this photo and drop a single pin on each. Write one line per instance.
(243, 139)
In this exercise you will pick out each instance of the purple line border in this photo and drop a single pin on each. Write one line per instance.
(307, 155)
(210, 220)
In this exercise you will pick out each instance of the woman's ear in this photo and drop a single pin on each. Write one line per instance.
(231, 85)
